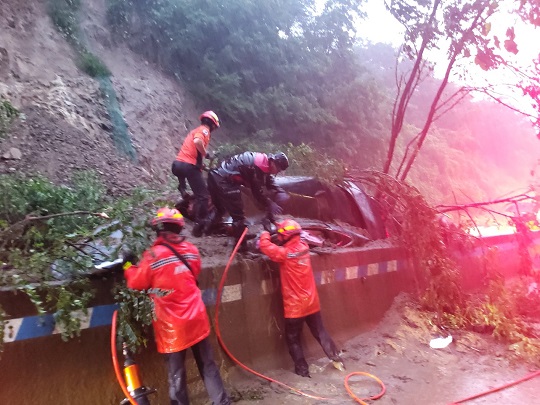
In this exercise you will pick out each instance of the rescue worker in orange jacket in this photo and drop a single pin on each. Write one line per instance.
(172, 266)
(300, 297)
(253, 170)
(189, 164)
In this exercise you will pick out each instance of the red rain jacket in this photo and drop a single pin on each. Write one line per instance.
(181, 315)
(300, 297)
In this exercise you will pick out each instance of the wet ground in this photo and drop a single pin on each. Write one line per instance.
(397, 351)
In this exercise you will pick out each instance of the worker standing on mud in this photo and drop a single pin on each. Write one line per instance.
(171, 267)
(300, 297)
(188, 166)
(251, 169)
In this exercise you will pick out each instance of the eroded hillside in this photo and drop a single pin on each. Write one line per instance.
(65, 125)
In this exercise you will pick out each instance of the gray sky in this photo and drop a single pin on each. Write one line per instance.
(380, 26)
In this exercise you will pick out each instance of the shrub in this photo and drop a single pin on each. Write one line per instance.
(7, 114)
(47, 232)
(92, 65)
(63, 13)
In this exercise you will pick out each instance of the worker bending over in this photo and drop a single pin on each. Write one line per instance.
(255, 171)
(300, 297)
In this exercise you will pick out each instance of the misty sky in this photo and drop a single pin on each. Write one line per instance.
(380, 26)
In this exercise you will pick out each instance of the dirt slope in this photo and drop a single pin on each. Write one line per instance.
(65, 125)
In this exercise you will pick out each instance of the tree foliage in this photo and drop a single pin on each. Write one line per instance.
(52, 236)
(8, 113)
(461, 28)
(283, 69)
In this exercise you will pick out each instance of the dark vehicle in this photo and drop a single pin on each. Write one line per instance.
(346, 202)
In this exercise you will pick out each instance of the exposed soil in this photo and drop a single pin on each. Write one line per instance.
(65, 126)
(397, 351)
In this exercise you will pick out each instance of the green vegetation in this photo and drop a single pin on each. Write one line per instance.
(282, 76)
(65, 17)
(57, 234)
(274, 71)
(135, 315)
(300, 76)
(92, 65)
(7, 114)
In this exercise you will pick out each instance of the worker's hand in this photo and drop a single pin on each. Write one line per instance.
(268, 226)
(274, 208)
(210, 155)
(129, 258)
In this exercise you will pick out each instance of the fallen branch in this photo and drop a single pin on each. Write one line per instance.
(16, 230)
(64, 214)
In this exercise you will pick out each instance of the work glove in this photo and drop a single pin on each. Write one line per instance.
(274, 208)
(268, 226)
(264, 234)
(129, 258)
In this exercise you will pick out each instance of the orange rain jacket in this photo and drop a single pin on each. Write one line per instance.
(188, 152)
(181, 315)
(300, 297)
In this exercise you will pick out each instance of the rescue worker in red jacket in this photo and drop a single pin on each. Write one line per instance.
(255, 171)
(172, 264)
(300, 297)
(188, 166)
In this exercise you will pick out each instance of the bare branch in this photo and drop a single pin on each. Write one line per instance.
(64, 214)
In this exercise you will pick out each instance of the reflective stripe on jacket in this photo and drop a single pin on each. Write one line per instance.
(181, 314)
(300, 297)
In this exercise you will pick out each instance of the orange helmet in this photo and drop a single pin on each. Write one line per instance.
(288, 228)
(212, 116)
(167, 215)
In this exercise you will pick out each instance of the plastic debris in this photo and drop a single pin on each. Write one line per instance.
(338, 365)
(106, 265)
(440, 342)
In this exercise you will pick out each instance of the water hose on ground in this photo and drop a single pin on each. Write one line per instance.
(226, 350)
(527, 377)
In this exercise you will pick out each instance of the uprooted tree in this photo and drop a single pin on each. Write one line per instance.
(499, 307)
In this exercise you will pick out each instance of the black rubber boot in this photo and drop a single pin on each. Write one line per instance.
(211, 223)
(183, 207)
(302, 372)
(198, 229)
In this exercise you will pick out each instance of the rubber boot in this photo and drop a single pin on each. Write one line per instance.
(211, 222)
(302, 371)
(183, 204)
(201, 227)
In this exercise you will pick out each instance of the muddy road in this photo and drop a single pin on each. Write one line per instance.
(397, 351)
